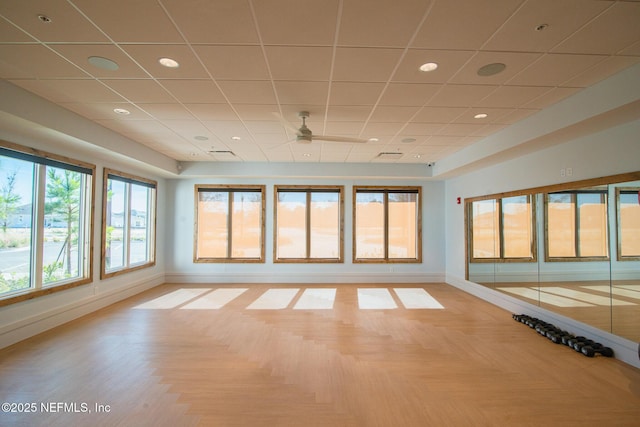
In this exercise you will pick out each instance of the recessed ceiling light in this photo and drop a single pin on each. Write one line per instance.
(417, 156)
(201, 138)
(44, 18)
(121, 111)
(408, 140)
(373, 139)
(481, 116)
(168, 62)
(236, 138)
(429, 66)
(103, 63)
(192, 154)
(491, 69)
(306, 155)
(542, 27)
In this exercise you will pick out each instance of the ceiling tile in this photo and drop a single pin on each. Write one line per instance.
(104, 111)
(555, 69)
(147, 55)
(67, 25)
(138, 90)
(234, 62)
(351, 93)
(515, 63)
(257, 111)
(35, 61)
(438, 114)
(9, 33)
(344, 128)
(512, 96)
(410, 94)
(615, 29)
(422, 128)
(306, 22)
(302, 93)
(449, 62)
(379, 22)
(385, 113)
(212, 111)
(602, 70)
(365, 65)
(193, 91)
(463, 24)
(79, 54)
(248, 92)
(562, 18)
(460, 95)
(213, 22)
(121, 20)
(551, 97)
(299, 63)
(170, 111)
(348, 114)
(378, 129)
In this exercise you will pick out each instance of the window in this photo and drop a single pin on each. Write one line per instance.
(129, 221)
(309, 224)
(229, 224)
(503, 229)
(387, 224)
(45, 214)
(628, 223)
(576, 224)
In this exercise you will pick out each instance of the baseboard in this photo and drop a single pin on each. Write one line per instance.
(305, 278)
(625, 350)
(43, 321)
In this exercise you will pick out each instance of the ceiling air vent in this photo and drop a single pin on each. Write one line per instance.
(389, 155)
(223, 154)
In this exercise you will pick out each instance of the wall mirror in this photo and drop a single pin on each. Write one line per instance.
(571, 248)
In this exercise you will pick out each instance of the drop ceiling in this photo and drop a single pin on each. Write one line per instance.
(246, 68)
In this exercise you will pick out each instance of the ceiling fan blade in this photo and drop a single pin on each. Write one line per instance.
(329, 138)
(285, 123)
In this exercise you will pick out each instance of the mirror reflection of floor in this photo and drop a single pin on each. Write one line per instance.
(613, 308)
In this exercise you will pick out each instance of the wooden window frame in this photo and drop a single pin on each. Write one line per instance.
(386, 190)
(230, 188)
(309, 190)
(574, 199)
(501, 258)
(619, 191)
(151, 222)
(37, 289)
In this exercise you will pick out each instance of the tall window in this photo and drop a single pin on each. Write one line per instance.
(129, 221)
(309, 224)
(503, 229)
(45, 216)
(229, 223)
(576, 223)
(387, 224)
(628, 223)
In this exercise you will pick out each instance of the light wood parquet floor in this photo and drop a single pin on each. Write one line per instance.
(468, 364)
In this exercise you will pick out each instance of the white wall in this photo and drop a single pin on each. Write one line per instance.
(21, 320)
(609, 152)
(181, 268)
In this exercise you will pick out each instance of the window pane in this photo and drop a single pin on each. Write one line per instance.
(403, 225)
(517, 227)
(16, 216)
(139, 224)
(561, 225)
(593, 225)
(325, 225)
(115, 215)
(62, 258)
(246, 233)
(213, 212)
(369, 227)
(630, 224)
(291, 225)
(486, 237)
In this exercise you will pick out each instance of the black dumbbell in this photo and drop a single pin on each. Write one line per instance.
(573, 340)
(580, 344)
(591, 350)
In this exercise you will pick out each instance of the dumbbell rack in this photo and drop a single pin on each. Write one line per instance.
(556, 335)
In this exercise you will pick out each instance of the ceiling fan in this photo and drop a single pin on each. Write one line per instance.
(305, 135)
